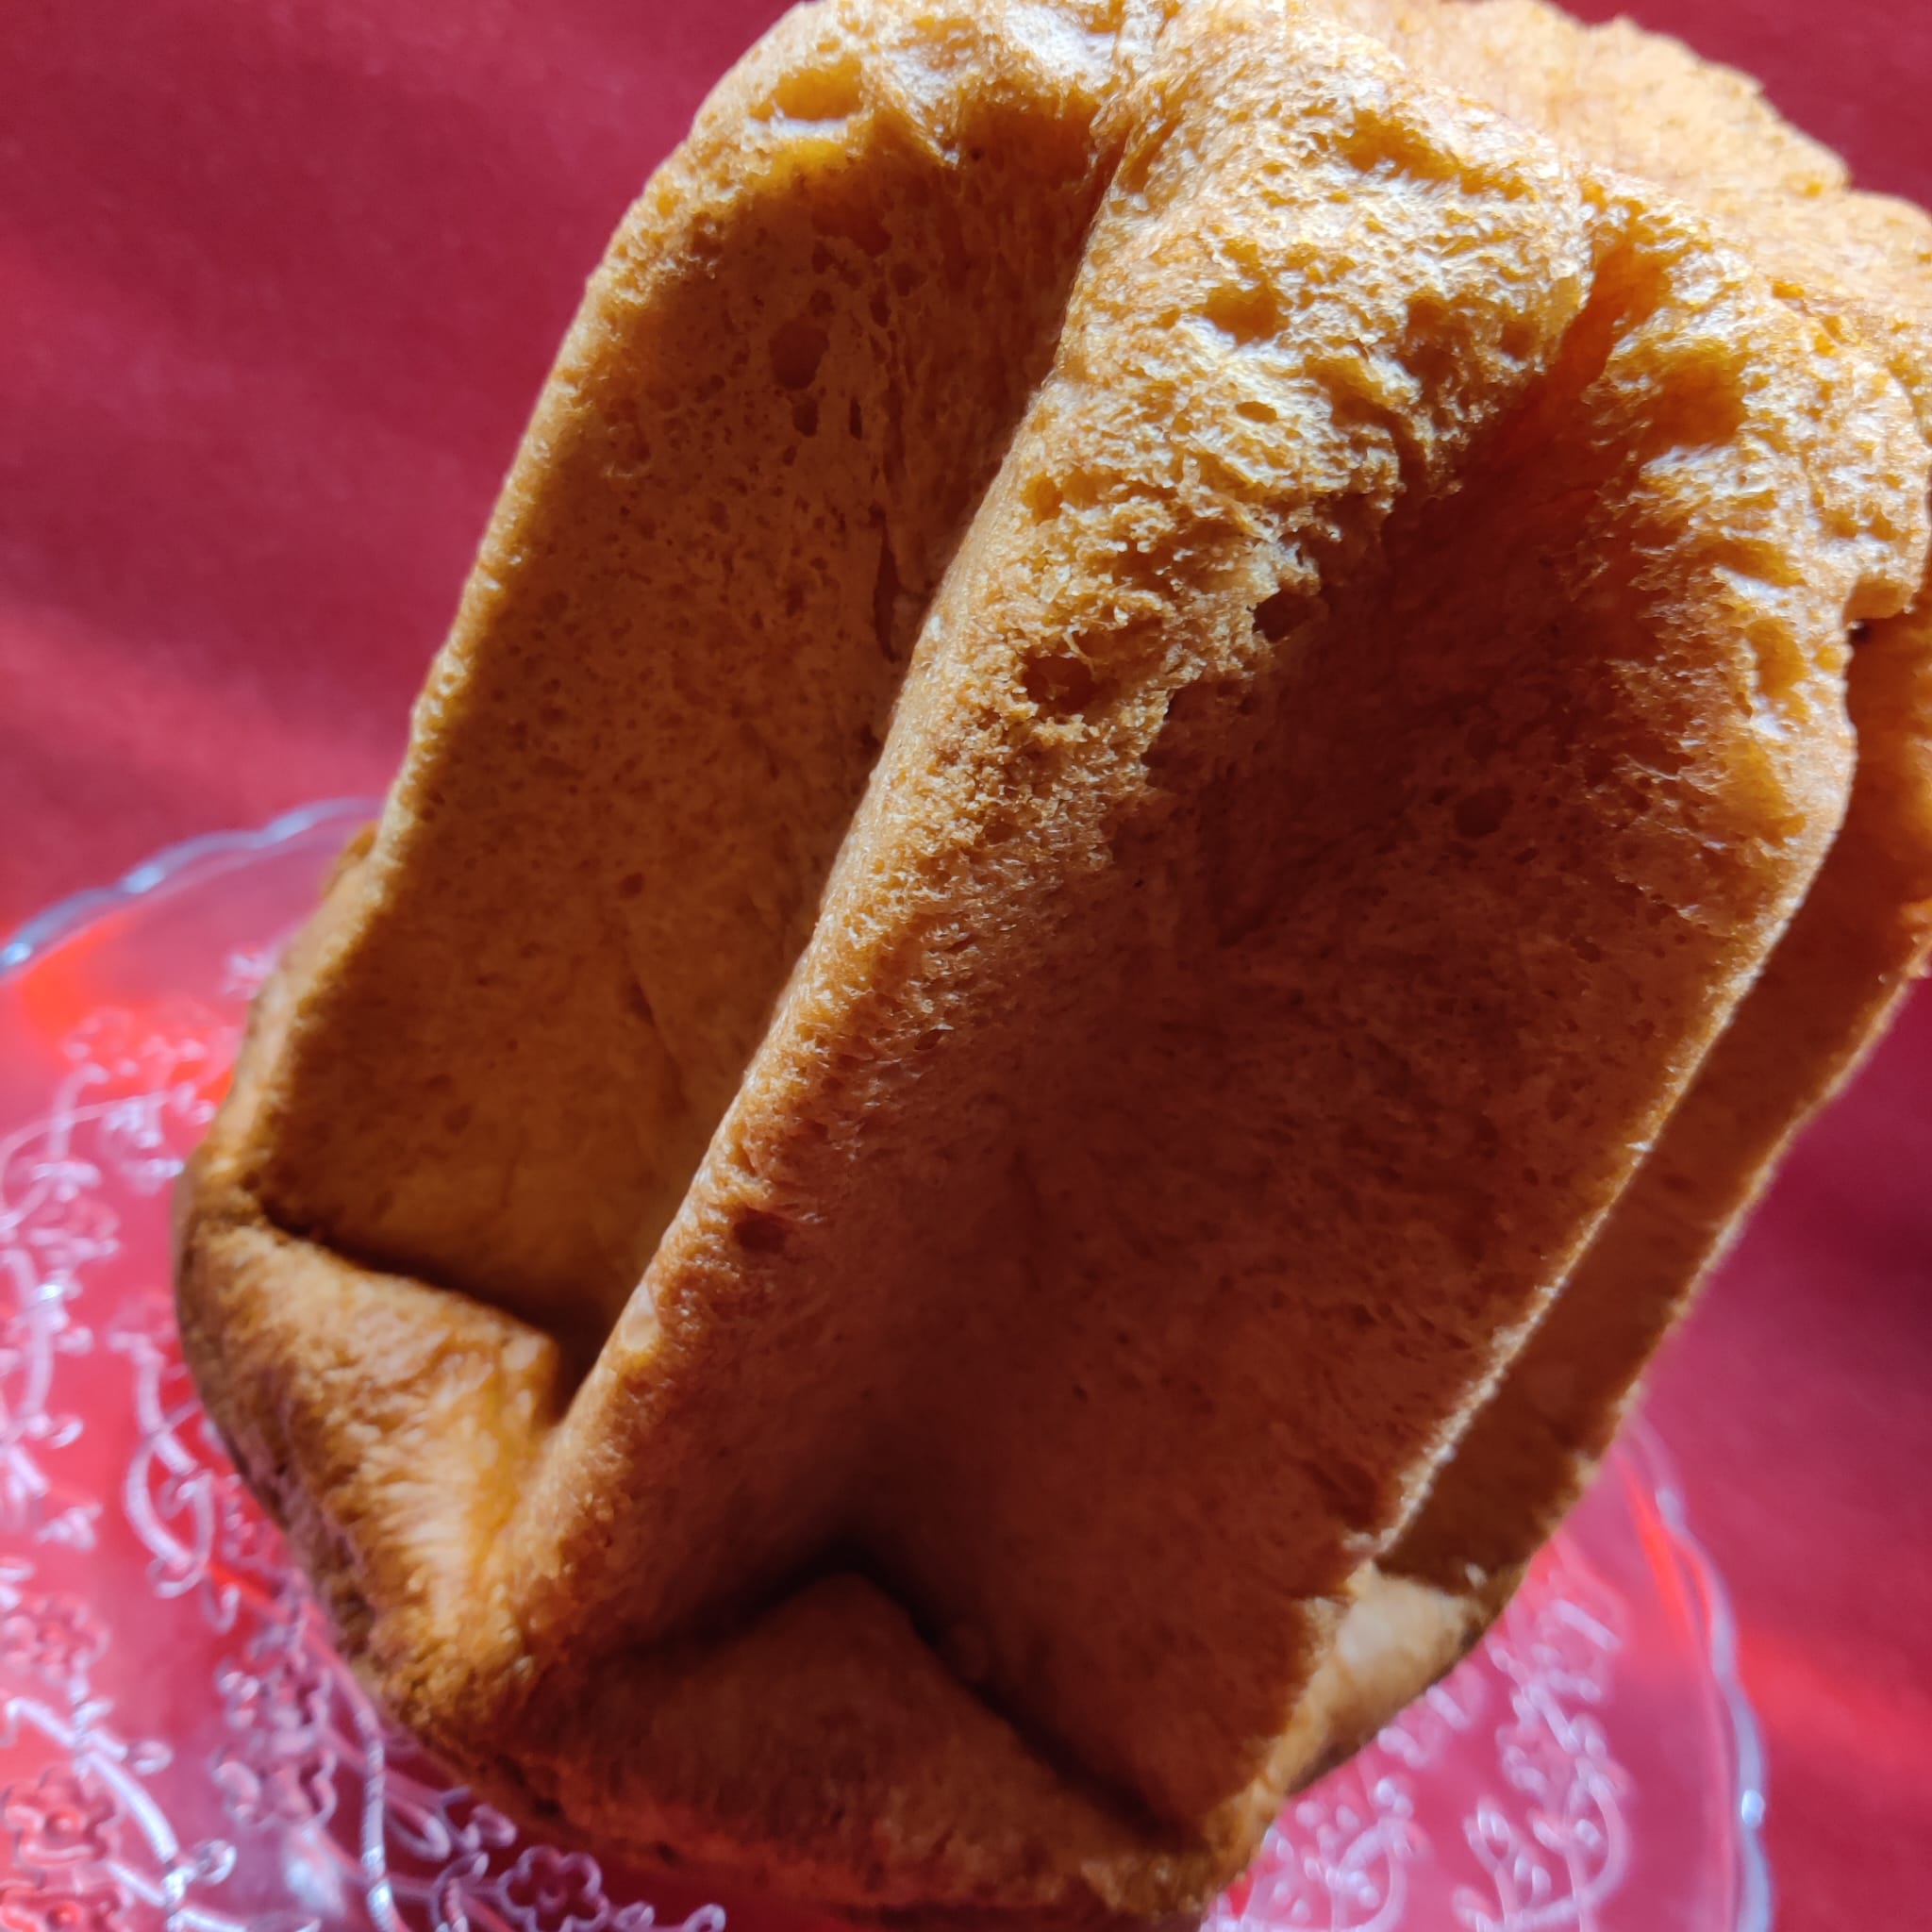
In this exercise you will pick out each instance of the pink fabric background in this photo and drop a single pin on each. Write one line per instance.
(278, 280)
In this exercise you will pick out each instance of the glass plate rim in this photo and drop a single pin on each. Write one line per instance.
(1698, 1569)
(60, 921)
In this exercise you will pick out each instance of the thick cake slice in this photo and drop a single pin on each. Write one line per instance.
(634, 760)
(1861, 265)
(935, 1230)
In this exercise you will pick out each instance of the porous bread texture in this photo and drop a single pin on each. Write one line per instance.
(1146, 690)
(668, 681)
(1861, 266)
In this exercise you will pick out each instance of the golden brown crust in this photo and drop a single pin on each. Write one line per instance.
(1826, 996)
(791, 379)
(1101, 1037)
(1862, 266)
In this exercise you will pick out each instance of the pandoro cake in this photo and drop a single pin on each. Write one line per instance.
(1186, 733)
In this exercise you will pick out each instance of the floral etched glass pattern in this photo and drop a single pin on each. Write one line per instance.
(179, 1748)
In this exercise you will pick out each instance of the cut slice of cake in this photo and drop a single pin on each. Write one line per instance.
(1145, 692)
(1861, 266)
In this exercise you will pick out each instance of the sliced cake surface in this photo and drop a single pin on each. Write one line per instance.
(1861, 266)
(1103, 897)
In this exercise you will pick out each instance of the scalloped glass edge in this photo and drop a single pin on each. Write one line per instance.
(65, 917)
(1694, 1564)
(1700, 1575)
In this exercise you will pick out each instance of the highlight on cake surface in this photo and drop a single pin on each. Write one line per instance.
(1188, 730)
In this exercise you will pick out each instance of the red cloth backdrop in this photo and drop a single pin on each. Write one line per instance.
(278, 280)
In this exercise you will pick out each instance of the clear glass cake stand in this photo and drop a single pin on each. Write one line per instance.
(180, 1749)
